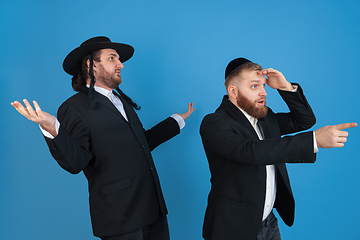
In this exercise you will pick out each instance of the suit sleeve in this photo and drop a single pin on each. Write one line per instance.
(162, 132)
(300, 118)
(224, 138)
(222, 142)
(70, 148)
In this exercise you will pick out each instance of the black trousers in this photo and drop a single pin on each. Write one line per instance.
(158, 230)
(269, 229)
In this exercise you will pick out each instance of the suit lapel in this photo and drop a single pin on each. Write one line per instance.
(130, 113)
(101, 99)
(137, 129)
(281, 171)
(266, 124)
(239, 117)
(133, 120)
(109, 105)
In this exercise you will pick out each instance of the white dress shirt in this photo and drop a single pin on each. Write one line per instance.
(270, 172)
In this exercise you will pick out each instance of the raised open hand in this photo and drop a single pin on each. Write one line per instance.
(46, 121)
(190, 110)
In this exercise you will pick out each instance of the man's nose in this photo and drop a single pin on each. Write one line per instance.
(263, 92)
(119, 64)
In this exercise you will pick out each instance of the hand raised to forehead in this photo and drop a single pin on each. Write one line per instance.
(276, 80)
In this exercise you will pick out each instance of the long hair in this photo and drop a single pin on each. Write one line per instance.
(79, 80)
(92, 100)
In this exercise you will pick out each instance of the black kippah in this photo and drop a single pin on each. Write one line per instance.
(235, 64)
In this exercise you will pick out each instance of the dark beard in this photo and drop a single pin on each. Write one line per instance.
(251, 108)
(107, 79)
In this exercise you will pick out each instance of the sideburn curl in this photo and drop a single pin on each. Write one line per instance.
(79, 80)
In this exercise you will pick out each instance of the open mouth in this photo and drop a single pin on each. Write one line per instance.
(262, 102)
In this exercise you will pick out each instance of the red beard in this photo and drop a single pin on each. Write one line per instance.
(252, 108)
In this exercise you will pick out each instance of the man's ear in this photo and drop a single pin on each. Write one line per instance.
(94, 66)
(232, 91)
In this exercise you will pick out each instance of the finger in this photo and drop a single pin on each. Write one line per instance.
(29, 108)
(342, 140)
(345, 125)
(17, 105)
(343, 134)
(269, 70)
(339, 145)
(190, 106)
(264, 71)
(20, 108)
(26, 103)
(37, 107)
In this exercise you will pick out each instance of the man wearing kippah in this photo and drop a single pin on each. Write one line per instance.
(247, 153)
(99, 133)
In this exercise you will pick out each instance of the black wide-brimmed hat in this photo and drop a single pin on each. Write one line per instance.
(234, 65)
(71, 63)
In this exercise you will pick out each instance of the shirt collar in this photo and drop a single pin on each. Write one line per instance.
(251, 119)
(100, 90)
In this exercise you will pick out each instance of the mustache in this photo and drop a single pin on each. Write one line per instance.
(260, 99)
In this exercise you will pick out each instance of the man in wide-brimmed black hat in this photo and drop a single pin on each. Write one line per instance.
(247, 155)
(99, 133)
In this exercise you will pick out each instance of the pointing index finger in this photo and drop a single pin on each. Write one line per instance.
(345, 125)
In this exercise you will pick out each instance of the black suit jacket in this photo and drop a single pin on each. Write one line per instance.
(237, 161)
(114, 154)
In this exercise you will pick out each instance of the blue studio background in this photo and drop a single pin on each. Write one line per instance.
(181, 51)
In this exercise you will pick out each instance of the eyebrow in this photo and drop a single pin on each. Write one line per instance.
(113, 54)
(255, 80)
